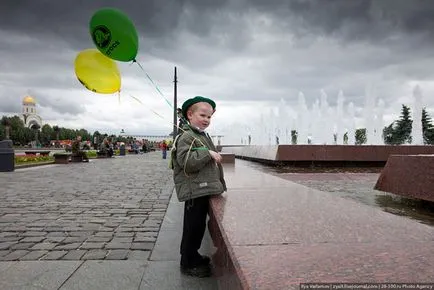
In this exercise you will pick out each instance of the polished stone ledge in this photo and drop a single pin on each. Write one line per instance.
(228, 157)
(333, 154)
(271, 233)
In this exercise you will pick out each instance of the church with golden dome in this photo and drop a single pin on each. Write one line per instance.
(29, 115)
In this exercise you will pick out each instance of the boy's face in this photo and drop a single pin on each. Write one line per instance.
(200, 114)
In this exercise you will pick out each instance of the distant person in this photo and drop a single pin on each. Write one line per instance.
(198, 174)
(144, 146)
(163, 147)
(105, 148)
(76, 149)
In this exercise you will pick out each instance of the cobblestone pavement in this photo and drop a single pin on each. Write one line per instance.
(107, 209)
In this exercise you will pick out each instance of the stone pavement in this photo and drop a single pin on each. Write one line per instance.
(106, 224)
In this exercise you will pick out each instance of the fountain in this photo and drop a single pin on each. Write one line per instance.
(321, 124)
(416, 131)
(352, 124)
(302, 120)
(340, 131)
(369, 114)
(320, 131)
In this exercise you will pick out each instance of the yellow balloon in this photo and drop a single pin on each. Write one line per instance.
(97, 72)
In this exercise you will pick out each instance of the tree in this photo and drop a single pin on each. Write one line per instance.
(427, 128)
(27, 136)
(389, 134)
(46, 134)
(36, 128)
(17, 130)
(402, 131)
(67, 134)
(294, 137)
(56, 131)
(21, 135)
(84, 134)
(360, 136)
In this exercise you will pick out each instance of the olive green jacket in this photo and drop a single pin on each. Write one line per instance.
(195, 173)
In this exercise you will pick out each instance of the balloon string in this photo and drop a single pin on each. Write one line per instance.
(153, 83)
(148, 108)
(174, 125)
(136, 99)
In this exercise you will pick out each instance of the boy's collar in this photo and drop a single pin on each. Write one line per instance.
(196, 129)
(200, 130)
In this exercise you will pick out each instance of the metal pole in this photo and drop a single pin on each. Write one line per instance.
(175, 106)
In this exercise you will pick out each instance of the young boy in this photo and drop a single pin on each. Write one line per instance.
(198, 174)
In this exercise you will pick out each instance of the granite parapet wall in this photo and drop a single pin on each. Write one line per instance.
(408, 175)
(375, 154)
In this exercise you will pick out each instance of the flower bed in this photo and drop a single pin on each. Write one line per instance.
(26, 159)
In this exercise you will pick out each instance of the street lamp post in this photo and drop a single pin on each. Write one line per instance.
(175, 106)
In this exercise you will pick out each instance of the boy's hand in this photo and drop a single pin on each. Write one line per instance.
(216, 156)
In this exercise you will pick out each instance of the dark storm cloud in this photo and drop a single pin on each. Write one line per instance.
(39, 38)
(69, 19)
(373, 20)
(355, 19)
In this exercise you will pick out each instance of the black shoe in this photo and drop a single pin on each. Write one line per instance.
(200, 271)
(198, 260)
(205, 260)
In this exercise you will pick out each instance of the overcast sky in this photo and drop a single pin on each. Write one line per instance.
(250, 56)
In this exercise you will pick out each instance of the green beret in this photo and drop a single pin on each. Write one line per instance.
(190, 102)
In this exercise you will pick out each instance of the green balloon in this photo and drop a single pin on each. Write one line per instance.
(114, 34)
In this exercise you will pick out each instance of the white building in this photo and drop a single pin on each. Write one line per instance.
(29, 115)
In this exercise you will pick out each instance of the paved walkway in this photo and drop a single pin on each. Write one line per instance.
(107, 224)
